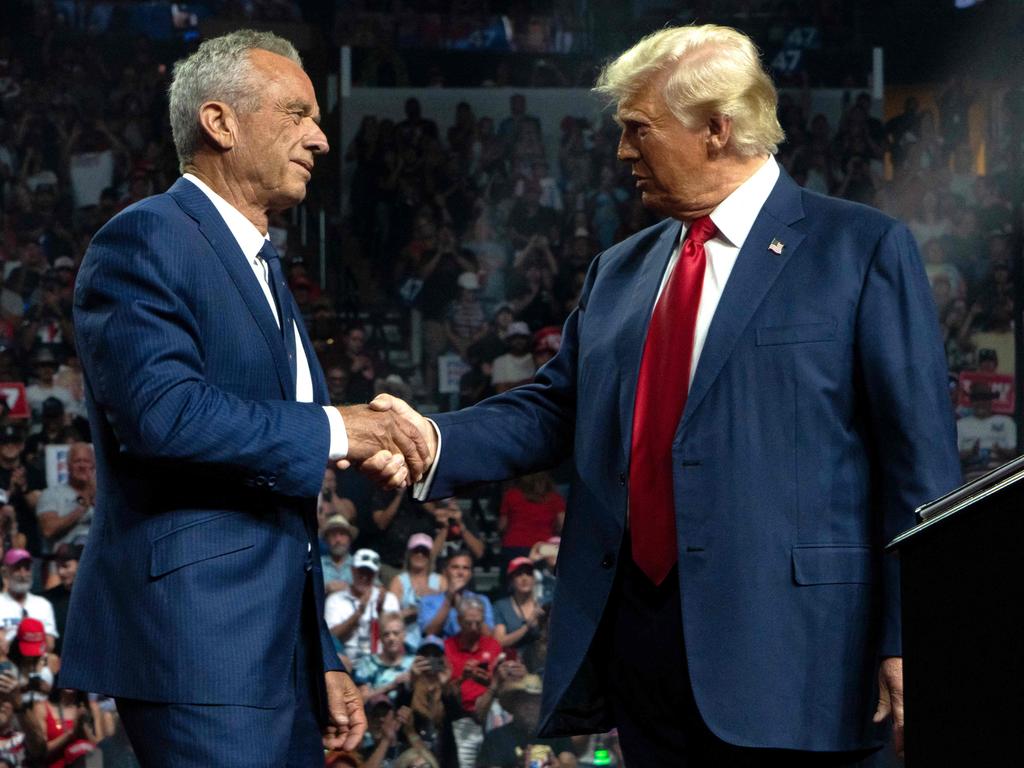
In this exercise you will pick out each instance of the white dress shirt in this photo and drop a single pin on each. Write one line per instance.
(734, 218)
(250, 240)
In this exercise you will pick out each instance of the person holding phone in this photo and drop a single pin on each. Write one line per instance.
(515, 744)
(472, 655)
(433, 706)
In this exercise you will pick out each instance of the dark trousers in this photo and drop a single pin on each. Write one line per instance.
(203, 736)
(649, 686)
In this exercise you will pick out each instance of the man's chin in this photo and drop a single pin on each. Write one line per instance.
(288, 198)
(654, 203)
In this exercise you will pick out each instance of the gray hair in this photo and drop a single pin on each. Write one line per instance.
(219, 70)
(468, 602)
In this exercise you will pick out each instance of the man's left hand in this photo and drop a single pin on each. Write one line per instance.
(890, 698)
(346, 721)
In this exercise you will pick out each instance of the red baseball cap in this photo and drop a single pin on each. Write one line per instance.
(31, 637)
(519, 564)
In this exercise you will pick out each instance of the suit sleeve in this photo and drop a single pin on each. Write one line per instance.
(142, 349)
(903, 370)
(522, 430)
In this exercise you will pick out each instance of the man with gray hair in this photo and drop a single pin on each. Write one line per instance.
(473, 655)
(753, 396)
(199, 601)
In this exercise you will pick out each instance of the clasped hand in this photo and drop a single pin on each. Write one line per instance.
(388, 441)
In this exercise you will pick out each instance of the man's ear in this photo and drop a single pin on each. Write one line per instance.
(719, 132)
(219, 124)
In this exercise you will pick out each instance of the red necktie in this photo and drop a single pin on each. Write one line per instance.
(660, 398)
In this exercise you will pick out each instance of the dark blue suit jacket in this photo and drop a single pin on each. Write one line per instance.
(190, 586)
(818, 419)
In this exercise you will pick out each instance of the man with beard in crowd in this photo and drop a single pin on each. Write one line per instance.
(18, 602)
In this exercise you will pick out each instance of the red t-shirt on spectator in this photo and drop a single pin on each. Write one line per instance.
(486, 652)
(529, 521)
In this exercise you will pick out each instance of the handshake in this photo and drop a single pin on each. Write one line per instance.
(388, 441)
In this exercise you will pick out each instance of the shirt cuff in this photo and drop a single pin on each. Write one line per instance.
(421, 490)
(339, 437)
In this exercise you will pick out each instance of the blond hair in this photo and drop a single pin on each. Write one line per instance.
(712, 70)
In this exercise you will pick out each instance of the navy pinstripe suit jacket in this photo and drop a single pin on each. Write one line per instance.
(190, 586)
(817, 420)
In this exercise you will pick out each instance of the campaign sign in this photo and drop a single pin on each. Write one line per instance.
(13, 393)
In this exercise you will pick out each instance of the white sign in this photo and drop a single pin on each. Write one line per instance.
(450, 368)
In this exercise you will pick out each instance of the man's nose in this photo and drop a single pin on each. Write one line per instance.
(317, 142)
(626, 150)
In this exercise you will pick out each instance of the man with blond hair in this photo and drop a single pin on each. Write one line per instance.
(752, 392)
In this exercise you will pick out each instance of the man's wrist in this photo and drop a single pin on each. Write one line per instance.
(339, 437)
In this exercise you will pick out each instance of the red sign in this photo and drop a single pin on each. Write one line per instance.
(1000, 385)
(17, 404)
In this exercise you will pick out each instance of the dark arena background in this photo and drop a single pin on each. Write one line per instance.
(471, 179)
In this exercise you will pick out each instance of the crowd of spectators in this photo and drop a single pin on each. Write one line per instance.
(479, 233)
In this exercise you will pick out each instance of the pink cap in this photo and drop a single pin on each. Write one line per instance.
(420, 540)
(16, 556)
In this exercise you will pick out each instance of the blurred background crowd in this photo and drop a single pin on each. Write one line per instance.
(444, 240)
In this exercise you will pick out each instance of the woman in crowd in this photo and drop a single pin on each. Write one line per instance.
(518, 618)
(70, 734)
(531, 511)
(416, 580)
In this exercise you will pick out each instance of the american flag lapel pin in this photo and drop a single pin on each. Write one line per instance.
(776, 246)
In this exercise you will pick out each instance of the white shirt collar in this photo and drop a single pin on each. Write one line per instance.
(249, 239)
(735, 215)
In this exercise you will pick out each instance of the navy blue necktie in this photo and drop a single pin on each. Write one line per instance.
(283, 298)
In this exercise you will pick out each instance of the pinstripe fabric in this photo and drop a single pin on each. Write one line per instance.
(190, 588)
(202, 736)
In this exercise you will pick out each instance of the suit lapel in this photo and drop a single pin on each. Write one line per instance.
(755, 272)
(633, 334)
(192, 200)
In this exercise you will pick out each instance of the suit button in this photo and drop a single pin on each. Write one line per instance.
(622, 479)
(260, 481)
(608, 560)
(271, 481)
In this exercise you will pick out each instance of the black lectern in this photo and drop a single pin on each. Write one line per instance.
(963, 625)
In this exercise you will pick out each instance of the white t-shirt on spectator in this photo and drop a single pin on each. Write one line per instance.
(341, 605)
(37, 393)
(91, 173)
(510, 369)
(62, 499)
(35, 606)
